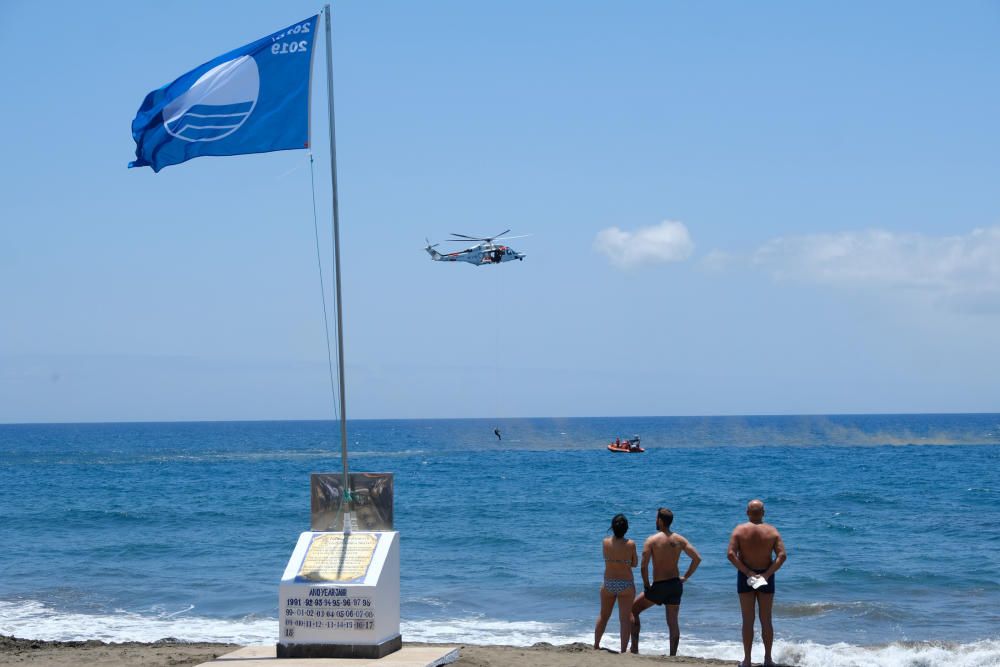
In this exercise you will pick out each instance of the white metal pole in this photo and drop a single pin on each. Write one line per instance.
(347, 506)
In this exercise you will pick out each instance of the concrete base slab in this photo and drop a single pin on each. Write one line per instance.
(366, 651)
(408, 656)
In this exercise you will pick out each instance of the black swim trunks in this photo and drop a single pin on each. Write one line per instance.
(668, 591)
(743, 587)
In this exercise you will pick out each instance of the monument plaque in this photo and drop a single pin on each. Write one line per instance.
(338, 557)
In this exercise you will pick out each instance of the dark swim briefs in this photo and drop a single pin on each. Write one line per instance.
(668, 591)
(743, 587)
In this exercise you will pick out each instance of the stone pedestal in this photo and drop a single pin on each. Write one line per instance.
(339, 596)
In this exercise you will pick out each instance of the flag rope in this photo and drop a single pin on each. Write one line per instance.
(322, 288)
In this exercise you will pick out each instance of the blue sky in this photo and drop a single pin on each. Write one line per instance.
(735, 208)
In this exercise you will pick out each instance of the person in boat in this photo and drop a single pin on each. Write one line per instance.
(633, 444)
(664, 548)
(618, 442)
(619, 586)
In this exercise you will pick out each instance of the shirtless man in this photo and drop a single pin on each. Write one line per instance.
(664, 548)
(750, 549)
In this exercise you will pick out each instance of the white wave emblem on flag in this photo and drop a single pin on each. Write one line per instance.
(218, 103)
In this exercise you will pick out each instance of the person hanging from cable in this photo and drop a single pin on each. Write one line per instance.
(496, 432)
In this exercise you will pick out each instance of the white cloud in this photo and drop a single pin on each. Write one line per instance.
(668, 241)
(965, 266)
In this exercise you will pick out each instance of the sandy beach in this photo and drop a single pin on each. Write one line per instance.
(15, 651)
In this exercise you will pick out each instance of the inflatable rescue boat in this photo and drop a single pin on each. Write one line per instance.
(626, 446)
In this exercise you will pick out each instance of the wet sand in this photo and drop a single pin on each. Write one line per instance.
(182, 654)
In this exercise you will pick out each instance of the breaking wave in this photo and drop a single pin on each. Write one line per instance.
(30, 619)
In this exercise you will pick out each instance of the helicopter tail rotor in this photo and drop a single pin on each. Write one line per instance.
(435, 255)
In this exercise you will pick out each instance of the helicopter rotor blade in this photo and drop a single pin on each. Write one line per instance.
(504, 238)
(471, 238)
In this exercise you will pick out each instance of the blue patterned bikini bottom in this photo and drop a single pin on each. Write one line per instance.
(617, 586)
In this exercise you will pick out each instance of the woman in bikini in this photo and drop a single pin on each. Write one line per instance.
(619, 559)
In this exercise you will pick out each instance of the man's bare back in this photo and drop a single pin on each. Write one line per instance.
(755, 543)
(665, 551)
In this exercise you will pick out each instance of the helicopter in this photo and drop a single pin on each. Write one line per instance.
(485, 252)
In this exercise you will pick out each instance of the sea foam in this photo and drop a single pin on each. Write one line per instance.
(34, 620)
(29, 619)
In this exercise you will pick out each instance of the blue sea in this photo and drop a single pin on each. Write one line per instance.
(141, 531)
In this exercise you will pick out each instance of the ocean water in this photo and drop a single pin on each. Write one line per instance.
(144, 531)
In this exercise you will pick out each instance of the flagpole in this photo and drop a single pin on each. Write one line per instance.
(346, 501)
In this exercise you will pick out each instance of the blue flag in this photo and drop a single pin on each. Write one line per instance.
(254, 99)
